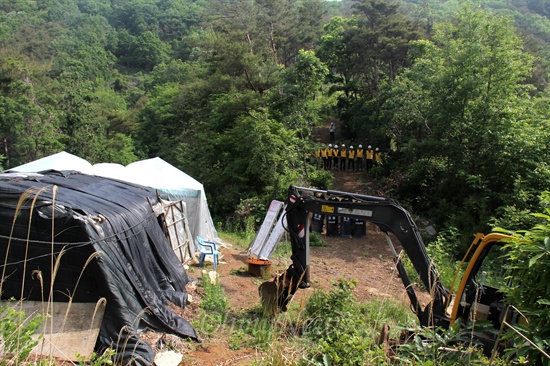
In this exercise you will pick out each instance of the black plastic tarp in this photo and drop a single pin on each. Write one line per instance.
(108, 243)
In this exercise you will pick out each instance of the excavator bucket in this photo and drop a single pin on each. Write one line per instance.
(274, 294)
(269, 294)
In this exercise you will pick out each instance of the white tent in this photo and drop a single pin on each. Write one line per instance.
(171, 183)
(60, 161)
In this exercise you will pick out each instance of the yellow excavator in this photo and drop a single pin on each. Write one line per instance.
(476, 298)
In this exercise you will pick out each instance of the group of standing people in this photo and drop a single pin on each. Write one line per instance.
(336, 157)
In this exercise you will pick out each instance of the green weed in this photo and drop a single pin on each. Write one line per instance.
(381, 311)
(454, 346)
(254, 330)
(106, 358)
(214, 306)
(237, 238)
(16, 331)
(443, 252)
(335, 326)
(316, 240)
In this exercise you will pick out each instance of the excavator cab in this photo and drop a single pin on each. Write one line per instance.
(478, 296)
(480, 299)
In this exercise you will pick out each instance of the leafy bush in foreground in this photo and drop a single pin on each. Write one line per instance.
(337, 329)
(529, 260)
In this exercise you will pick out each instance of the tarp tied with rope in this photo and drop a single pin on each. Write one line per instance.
(107, 243)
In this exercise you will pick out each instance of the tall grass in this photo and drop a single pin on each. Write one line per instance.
(213, 306)
(329, 328)
(20, 333)
(240, 235)
(334, 328)
(344, 331)
(444, 254)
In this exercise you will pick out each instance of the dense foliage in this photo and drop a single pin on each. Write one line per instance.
(528, 258)
(455, 92)
(465, 123)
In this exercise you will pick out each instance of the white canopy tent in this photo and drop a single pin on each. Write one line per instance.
(171, 183)
(60, 161)
(174, 185)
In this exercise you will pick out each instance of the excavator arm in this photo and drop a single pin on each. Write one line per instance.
(388, 215)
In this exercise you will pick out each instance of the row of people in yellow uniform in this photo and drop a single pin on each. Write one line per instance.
(340, 157)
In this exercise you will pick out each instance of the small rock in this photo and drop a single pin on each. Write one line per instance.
(430, 230)
(214, 277)
(168, 358)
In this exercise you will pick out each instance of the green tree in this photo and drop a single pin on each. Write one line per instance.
(363, 53)
(146, 51)
(462, 116)
(90, 116)
(540, 6)
(162, 120)
(275, 29)
(253, 161)
(301, 86)
(62, 11)
(335, 51)
(175, 71)
(381, 40)
(28, 127)
(136, 16)
(230, 106)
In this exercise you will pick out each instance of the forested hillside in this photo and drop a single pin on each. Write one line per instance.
(454, 93)
(229, 92)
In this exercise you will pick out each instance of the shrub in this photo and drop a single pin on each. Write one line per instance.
(316, 240)
(321, 179)
(528, 255)
(214, 305)
(453, 346)
(444, 253)
(335, 327)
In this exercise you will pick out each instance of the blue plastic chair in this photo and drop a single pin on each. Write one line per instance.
(207, 248)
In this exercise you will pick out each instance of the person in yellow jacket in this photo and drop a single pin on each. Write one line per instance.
(369, 155)
(351, 158)
(335, 154)
(323, 153)
(329, 157)
(317, 155)
(360, 157)
(343, 157)
(377, 157)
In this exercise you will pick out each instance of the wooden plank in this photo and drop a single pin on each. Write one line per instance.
(67, 329)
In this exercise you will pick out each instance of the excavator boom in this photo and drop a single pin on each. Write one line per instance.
(388, 215)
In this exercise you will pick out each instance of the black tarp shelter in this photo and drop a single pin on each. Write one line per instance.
(76, 217)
